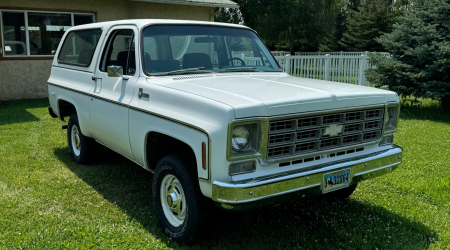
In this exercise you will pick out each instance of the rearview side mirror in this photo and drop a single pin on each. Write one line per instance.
(116, 71)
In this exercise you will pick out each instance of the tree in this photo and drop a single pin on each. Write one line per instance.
(348, 7)
(371, 20)
(420, 48)
(228, 15)
(301, 24)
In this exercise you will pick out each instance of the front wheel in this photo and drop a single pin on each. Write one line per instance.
(177, 199)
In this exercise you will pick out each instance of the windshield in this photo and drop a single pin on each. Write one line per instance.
(184, 49)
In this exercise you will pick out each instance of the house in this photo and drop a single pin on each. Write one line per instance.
(31, 31)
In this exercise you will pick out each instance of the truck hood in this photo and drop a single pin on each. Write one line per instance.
(262, 94)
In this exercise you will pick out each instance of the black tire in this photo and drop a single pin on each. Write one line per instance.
(341, 194)
(83, 154)
(196, 204)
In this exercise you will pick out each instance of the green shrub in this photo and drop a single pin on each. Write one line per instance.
(419, 65)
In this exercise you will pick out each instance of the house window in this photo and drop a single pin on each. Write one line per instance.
(36, 33)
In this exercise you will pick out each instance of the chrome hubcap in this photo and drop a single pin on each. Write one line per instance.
(173, 201)
(75, 134)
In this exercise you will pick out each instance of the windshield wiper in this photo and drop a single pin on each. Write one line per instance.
(188, 71)
(243, 69)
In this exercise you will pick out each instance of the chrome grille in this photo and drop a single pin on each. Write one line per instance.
(297, 136)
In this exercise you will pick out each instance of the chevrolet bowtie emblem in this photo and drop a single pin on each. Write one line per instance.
(333, 130)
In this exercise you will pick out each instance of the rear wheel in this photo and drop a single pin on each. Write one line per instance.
(177, 199)
(80, 147)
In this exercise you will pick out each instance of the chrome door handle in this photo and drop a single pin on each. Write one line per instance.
(142, 94)
(94, 78)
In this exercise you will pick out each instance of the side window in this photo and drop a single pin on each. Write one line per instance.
(79, 46)
(131, 69)
(118, 52)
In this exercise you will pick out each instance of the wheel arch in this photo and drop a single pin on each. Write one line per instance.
(159, 144)
(65, 108)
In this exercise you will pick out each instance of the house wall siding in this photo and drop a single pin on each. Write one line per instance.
(27, 79)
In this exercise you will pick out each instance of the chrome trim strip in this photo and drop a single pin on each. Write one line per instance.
(154, 114)
(376, 169)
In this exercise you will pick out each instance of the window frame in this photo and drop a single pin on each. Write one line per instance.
(77, 64)
(107, 47)
(25, 11)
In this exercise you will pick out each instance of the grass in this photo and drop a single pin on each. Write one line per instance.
(47, 201)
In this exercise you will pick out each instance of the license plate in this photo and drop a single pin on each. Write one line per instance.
(336, 180)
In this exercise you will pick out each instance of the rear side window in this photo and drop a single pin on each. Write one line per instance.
(79, 46)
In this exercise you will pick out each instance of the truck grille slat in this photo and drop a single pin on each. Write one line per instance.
(281, 126)
(279, 151)
(297, 136)
(330, 119)
(308, 135)
(281, 139)
(330, 143)
(354, 116)
(306, 147)
(308, 122)
(352, 128)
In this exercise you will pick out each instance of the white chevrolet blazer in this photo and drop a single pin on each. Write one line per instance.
(207, 109)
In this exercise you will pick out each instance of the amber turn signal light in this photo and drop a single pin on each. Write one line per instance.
(204, 155)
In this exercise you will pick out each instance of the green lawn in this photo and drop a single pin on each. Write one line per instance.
(47, 201)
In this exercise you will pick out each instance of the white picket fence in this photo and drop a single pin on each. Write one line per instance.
(338, 68)
(346, 67)
(340, 53)
(280, 53)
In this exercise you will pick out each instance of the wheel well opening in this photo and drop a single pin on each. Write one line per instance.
(160, 145)
(65, 109)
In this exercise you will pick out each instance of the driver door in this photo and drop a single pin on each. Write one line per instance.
(112, 94)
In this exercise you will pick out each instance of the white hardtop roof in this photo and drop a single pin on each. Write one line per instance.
(139, 23)
(209, 3)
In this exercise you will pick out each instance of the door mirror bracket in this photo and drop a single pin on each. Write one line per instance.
(116, 71)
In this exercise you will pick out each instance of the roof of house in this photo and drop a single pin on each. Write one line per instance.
(209, 3)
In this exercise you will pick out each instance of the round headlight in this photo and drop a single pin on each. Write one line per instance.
(241, 138)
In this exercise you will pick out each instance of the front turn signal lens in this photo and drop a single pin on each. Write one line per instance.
(204, 156)
(387, 140)
(242, 167)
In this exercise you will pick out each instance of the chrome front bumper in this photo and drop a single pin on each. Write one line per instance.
(229, 195)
